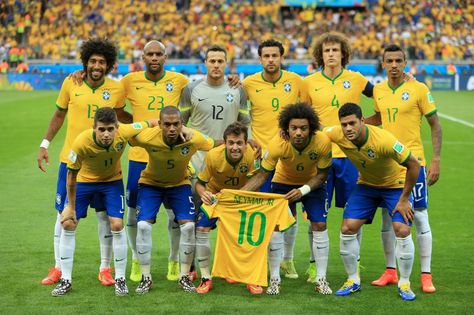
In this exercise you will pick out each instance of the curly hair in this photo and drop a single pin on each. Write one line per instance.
(298, 111)
(332, 37)
(99, 46)
(271, 43)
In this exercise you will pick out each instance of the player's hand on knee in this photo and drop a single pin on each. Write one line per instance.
(68, 214)
(43, 156)
(405, 210)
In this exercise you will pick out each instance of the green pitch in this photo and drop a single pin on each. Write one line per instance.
(26, 229)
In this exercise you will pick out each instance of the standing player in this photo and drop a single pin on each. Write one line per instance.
(388, 173)
(98, 57)
(400, 107)
(269, 91)
(301, 166)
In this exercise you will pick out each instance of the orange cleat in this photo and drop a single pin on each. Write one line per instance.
(254, 289)
(205, 286)
(228, 280)
(388, 277)
(105, 277)
(427, 283)
(53, 276)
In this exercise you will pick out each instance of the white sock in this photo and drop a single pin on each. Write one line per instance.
(349, 250)
(321, 252)
(105, 239)
(388, 240)
(174, 236)
(289, 238)
(203, 253)
(405, 254)
(424, 239)
(67, 245)
(310, 239)
(275, 250)
(187, 244)
(57, 235)
(120, 253)
(144, 245)
(132, 230)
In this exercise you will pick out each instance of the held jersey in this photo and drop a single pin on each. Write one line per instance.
(294, 167)
(96, 163)
(81, 102)
(148, 97)
(402, 109)
(168, 165)
(246, 224)
(328, 95)
(378, 159)
(267, 100)
(218, 173)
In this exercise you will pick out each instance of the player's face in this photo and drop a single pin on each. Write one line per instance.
(394, 62)
(271, 59)
(171, 126)
(352, 127)
(298, 130)
(154, 58)
(235, 146)
(96, 67)
(332, 55)
(105, 133)
(215, 64)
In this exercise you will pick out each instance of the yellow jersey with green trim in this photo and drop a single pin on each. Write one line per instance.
(168, 165)
(267, 100)
(378, 159)
(148, 97)
(96, 163)
(81, 102)
(218, 173)
(246, 224)
(402, 109)
(328, 95)
(294, 167)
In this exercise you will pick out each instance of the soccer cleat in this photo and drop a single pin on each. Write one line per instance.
(205, 286)
(173, 271)
(274, 287)
(120, 287)
(388, 277)
(322, 286)
(348, 288)
(311, 272)
(230, 281)
(427, 283)
(187, 284)
(193, 275)
(288, 268)
(63, 287)
(53, 276)
(136, 272)
(144, 286)
(254, 289)
(406, 293)
(105, 277)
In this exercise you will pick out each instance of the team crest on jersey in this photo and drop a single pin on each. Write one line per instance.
(229, 97)
(287, 87)
(371, 153)
(405, 96)
(346, 84)
(313, 155)
(119, 146)
(184, 150)
(244, 168)
(106, 95)
(169, 87)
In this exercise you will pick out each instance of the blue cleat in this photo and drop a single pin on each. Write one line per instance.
(406, 293)
(348, 288)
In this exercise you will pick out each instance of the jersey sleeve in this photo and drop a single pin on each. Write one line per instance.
(243, 116)
(74, 160)
(304, 92)
(396, 150)
(182, 82)
(205, 175)
(426, 102)
(64, 95)
(120, 97)
(185, 104)
(210, 210)
(130, 130)
(325, 159)
(203, 142)
(272, 154)
(286, 220)
(376, 103)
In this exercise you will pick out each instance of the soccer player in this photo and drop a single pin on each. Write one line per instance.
(226, 166)
(400, 107)
(166, 177)
(301, 164)
(269, 91)
(95, 173)
(98, 57)
(388, 173)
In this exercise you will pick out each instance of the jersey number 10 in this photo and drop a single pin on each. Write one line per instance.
(249, 227)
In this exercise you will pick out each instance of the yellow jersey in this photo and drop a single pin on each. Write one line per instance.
(96, 163)
(168, 165)
(81, 102)
(148, 97)
(402, 109)
(267, 100)
(246, 224)
(378, 159)
(294, 167)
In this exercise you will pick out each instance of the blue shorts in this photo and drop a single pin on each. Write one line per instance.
(267, 185)
(134, 171)
(342, 178)
(315, 204)
(365, 200)
(204, 221)
(179, 198)
(420, 191)
(110, 195)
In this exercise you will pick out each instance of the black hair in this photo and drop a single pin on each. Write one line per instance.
(298, 111)
(99, 46)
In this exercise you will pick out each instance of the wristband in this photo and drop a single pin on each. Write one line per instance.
(305, 189)
(44, 144)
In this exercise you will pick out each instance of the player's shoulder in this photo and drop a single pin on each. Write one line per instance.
(277, 143)
(289, 75)
(418, 86)
(170, 75)
(132, 76)
(216, 153)
(112, 83)
(353, 74)
(85, 137)
(256, 77)
(321, 137)
(149, 134)
(313, 77)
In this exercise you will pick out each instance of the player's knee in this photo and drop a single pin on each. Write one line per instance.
(203, 229)
(349, 229)
(318, 226)
(401, 229)
(116, 225)
(69, 225)
(186, 228)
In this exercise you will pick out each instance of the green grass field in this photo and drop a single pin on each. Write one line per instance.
(28, 215)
